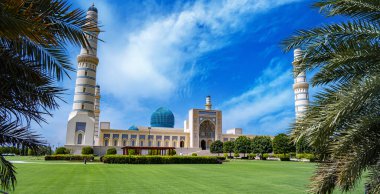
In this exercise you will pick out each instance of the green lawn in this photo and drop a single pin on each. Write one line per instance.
(230, 177)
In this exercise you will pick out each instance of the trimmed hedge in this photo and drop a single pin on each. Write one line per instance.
(111, 151)
(194, 154)
(125, 159)
(69, 157)
(87, 150)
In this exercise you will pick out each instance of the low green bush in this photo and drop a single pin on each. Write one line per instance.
(310, 157)
(62, 150)
(194, 154)
(132, 152)
(125, 159)
(171, 153)
(265, 156)
(111, 151)
(69, 157)
(87, 150)
(225, 155)
(236, 155)
(251, 156)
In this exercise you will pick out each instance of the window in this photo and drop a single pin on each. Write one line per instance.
(85, 73)
(159, 144)
(79, 138)
(80, 126)
(167, 144)
(82, 106)
(115, 142)
(106, 142)
(125, 143)
(84, 89)
(133, 143)
(174, 144)
(141, 143)
(150, 143)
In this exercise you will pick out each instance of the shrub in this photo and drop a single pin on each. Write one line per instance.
(87, 150)
(310, 157)
(265, 156)
(31, 152)
(236, 155)
(225, 155)
(251, 156)
(62, 150)
(194, 154)
(133, 152)
(172, 153)
(111, 151)
(124, 159)
(69, 157)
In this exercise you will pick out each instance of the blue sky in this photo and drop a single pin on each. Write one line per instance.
(174, 53)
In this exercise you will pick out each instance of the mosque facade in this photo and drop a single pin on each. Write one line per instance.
(201, 128)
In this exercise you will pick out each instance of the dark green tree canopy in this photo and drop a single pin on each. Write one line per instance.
(228, 147)
(216, 147)
(261, 145)
(242, 144)
(282, 144)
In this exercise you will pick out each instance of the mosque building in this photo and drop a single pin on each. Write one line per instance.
(201, 128)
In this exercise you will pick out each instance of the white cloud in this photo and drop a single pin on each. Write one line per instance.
(268, 106)
(158, 59)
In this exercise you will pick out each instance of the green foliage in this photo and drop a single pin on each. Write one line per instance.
(194, 154)
(265, 156)
(282, 144)
(310, 157)
(111, 151)
(303, 146)
(69, 157)
(225, 155)
(171, 153)
(236, 155)
(342, 124)
(242, 145)
(62, 150)
(31, 152)
(87, 150)
(9, 150)
(228, 147)
(124, 159)
(251, 156)
(216, 147)
(132, 152)
(261, 145)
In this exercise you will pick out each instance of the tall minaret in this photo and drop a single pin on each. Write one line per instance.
(208, 105)
(97, 113)
(81, 123)
(300, 87)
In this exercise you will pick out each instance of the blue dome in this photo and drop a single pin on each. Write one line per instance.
(133, 128)
(93, 8)
(162, 117)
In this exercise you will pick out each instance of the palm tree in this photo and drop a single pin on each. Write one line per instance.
(33, 58)
(343, 123)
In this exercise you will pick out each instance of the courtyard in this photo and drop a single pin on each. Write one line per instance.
(35, 175)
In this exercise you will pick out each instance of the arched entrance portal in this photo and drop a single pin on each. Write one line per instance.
(203, 144)
(182, 144)
(206, 134)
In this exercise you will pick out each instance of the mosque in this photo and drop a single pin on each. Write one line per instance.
(201, 128)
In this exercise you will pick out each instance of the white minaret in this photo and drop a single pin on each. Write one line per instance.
(97, 113)
(82, 122)
(300, 87)
(208, 105)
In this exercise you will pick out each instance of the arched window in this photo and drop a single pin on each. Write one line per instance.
(80, 136)
(181, 144)
(106, 142)
(115, 142)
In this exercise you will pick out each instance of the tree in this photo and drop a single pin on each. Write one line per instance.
(242, 145)
(261, 145)
(62, 150)
(343, 123)
(303, 146)
(228, 147)
(282, 144)
(87, 150)
(33, 36)
(112, 151)
(216, 147)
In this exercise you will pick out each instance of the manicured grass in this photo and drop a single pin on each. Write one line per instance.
(230, 177)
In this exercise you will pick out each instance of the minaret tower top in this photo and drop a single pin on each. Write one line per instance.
(300, 87)
(208, 105)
